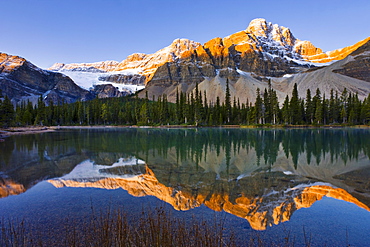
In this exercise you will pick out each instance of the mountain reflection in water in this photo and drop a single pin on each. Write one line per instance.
(263, 176)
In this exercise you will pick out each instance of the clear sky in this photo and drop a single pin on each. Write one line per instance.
(66, 31)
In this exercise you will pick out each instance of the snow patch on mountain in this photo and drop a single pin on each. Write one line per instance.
(88, 80)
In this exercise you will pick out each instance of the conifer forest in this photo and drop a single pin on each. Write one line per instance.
(338, 108)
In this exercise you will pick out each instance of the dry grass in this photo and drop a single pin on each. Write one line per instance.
(154, 227)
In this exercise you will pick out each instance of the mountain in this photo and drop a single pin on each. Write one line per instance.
(248, 58)
(21, 80)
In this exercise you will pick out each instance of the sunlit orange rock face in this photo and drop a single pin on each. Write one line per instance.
(8, 188)
(261, 211)
(8, 62)
(308, 50)
(315, 55)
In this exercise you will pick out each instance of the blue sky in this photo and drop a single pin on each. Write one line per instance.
(49, 31)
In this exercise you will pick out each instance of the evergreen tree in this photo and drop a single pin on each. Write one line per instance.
(28, 117)
(365, 110)
(344, 103)
(285, 111)
(7, 113)
(266, 109)
(197, 106)
(228, 101)
(318, 111)
(217, 112)
(41, 112)
(274, 106)
(179, 107)
(258, 107)
(295, 107)
(271, 104)
(309, 112)
(104, 113)
(325, 109)
(205, 112)
(333, 107)
(144, 114)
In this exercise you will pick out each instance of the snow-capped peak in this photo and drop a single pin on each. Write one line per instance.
(259, 27)
(269, 32)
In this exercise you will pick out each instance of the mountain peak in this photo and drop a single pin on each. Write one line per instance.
(9, 62)
(179, 46)
(261, 28)
(258, 27)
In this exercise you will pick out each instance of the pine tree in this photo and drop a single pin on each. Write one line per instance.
(7, 113)
(104, 113)
(319, 112)
(218, 114)
(333, 107)
(197, 106)
(365, 110)
(266, 107)
(258, 107)
(325, 107)
(344, 104)
(317, 104)
(205, 110)
(294, 105)
(228, 101)
(285, 111)
(273, 105)
(309, 107)
(178, 107)
(40, 115)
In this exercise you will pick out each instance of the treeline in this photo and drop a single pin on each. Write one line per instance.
(194, 109)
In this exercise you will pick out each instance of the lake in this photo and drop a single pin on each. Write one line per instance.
(308, 184)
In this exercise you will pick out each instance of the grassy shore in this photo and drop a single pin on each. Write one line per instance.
(154, 227)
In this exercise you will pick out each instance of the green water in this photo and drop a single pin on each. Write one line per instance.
(265, 179)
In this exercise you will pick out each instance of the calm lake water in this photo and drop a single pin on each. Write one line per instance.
(266, 183)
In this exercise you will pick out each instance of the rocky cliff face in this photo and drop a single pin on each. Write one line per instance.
(108, 91)
(359, 65)
(21, 80)
(352, 73)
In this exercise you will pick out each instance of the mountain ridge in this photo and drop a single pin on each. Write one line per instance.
(261, 52)
(254, 37)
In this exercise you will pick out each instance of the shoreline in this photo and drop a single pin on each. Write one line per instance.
(24, 130)
(38, 129)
